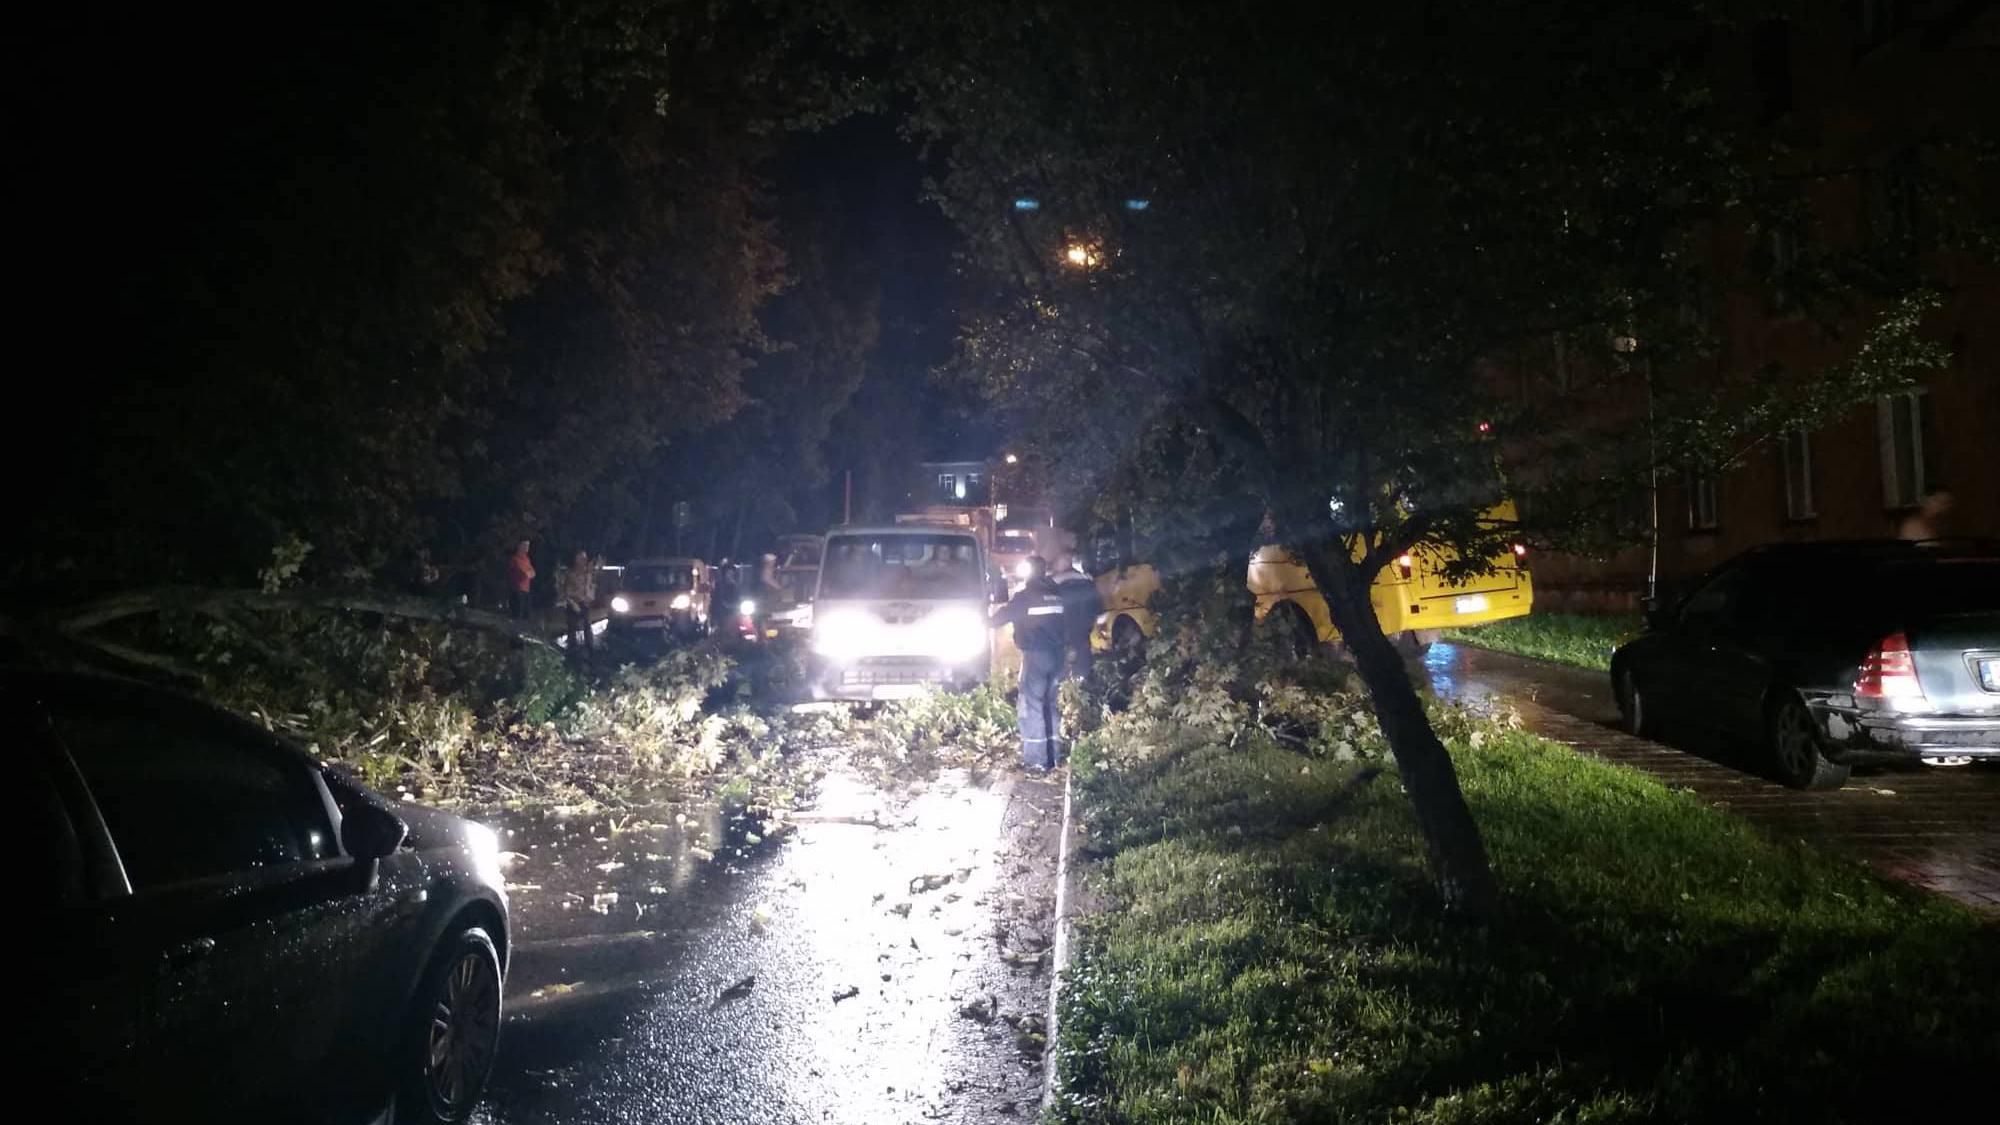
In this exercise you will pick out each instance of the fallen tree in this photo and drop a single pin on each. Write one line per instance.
(84, 634)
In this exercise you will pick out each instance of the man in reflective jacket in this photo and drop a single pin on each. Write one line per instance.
(1036, 613)
(1081, 605)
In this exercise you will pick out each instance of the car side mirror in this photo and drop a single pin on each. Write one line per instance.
(369, 831)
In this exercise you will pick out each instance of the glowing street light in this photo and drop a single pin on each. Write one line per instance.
(1081, 256)
(1012, 459)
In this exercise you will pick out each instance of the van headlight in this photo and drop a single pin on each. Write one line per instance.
(952, 635)
(845, 636)
(747, 608)
(681, 601)
(621, 604)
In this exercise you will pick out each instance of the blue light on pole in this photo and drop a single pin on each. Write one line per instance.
(1137, 204)
(1026, 204)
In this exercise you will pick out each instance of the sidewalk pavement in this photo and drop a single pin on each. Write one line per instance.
(1938, 828)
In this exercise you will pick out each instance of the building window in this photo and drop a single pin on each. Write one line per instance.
(1879, 20)
(1909, 448)
(947, 488)
(975, 485)
(1799, 476)
(1895, 203)
(1704, 512)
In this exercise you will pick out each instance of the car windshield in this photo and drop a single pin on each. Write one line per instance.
(659, 578)
(1015, 541)
(901, 566)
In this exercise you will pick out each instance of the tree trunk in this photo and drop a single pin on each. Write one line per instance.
(81, 619)
(1457, 853)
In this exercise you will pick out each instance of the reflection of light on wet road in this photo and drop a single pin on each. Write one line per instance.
(1480, 679)
(1440, 663)
(867, 912)
(886, 905)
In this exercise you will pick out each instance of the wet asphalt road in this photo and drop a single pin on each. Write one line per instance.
(882, 959)
(1936, 827)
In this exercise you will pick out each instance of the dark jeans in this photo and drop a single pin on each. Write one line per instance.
(579, 622)
(1041, 741)
(517, 604)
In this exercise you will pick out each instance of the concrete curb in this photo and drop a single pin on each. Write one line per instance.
(1059, 959)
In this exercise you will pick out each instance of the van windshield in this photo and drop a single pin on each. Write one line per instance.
(901, 566)
(657, 578)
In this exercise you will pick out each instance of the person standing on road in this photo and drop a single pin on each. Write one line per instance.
(770, 590)
(577, 591)
(1036, 613)
(1081, 607)
(726, 599)
(520, 580)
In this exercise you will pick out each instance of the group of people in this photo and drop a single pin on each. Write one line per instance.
(1053, 615)
(576, 591)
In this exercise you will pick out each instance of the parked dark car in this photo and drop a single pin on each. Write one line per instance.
(1829, 655)
(226, 931)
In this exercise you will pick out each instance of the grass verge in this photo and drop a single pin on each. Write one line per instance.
(1270, 951)
(1581, 639)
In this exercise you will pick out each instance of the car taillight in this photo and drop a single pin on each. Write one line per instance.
(1407, 564)
(1889, 671)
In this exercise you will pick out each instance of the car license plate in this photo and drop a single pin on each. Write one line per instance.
(1989, 674)
(1475, 603)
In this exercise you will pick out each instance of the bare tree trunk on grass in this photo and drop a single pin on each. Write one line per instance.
(1451, 837)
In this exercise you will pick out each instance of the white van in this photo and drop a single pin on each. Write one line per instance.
(899, 610)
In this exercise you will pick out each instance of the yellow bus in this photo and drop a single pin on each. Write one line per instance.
(1412, 597)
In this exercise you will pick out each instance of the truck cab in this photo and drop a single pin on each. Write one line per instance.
(898, 611)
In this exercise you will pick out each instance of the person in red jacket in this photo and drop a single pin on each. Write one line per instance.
(520, 579)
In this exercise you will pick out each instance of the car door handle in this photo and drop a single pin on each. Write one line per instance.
(193, 949)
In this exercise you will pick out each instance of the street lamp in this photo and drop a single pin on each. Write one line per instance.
(1012, 459)
(1081, 255)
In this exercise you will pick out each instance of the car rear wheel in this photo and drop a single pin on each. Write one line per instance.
(456, 1032)
(1126, 637)
(1635, 706)
(1795, 749)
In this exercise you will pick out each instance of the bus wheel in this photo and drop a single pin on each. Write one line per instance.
(1126, 637)
(1294, 630)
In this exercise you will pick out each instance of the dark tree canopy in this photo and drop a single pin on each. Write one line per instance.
(419, 276)
(1247, 264)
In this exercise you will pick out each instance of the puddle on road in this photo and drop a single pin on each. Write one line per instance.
(585, 886)
(869, 965)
